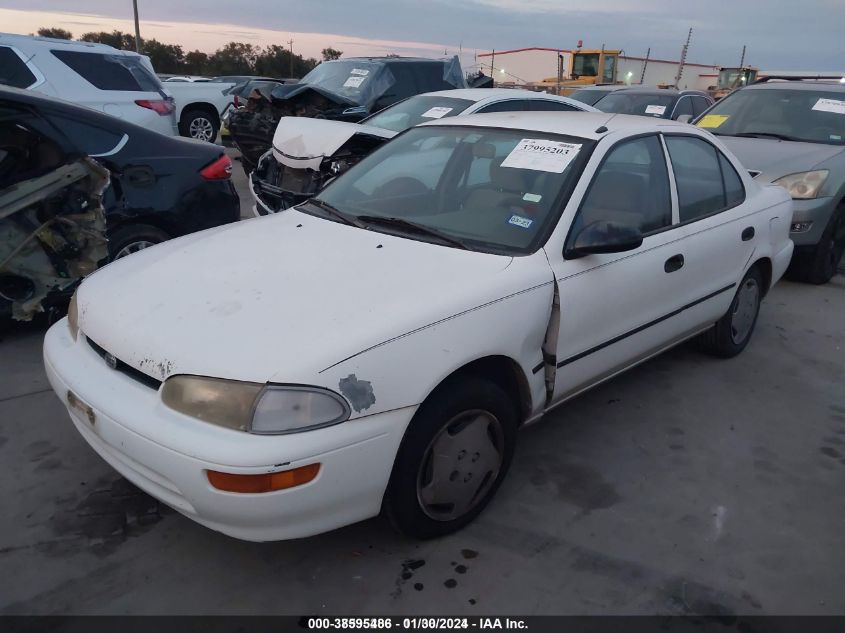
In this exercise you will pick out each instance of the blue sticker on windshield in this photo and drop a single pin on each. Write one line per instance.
(518, 220)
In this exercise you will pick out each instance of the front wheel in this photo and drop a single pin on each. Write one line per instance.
(820, 265)
(731, 334)
(453, 458)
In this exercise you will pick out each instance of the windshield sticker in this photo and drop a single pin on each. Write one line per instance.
(518, 220)
(436, 113)
(359, 71)
(541, 155)
(713, 120)
(655, 109)
(830, 105)
(835, 137)
(532, 197)
(354, 82)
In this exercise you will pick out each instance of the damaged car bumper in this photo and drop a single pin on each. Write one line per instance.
(170, 455)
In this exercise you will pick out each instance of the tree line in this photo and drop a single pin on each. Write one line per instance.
(235, 58)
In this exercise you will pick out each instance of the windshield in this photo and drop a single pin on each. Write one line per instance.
(637, 103)
(588, 96)
(488, 189)
(416, 110)
(359, 81)
(815, 116)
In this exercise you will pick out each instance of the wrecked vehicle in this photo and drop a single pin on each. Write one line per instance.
(161, 186)
(379, 346)
(342, 90)
(52, 221)
(307, 154)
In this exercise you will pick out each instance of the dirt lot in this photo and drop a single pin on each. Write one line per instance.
(688, 485)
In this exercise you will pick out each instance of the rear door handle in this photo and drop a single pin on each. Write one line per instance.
(748, 234)
(676, 262)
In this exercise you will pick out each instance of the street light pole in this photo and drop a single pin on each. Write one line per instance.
(137, 27)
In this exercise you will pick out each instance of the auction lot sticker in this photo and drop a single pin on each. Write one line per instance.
(542, 155)
(354, 81)
(655, 109)
(436, 112)
(713, 120)
(830, 105)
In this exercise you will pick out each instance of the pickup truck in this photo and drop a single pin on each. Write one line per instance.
(200, 106)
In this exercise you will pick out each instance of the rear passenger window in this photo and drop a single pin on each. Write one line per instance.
(630, 188)
(699, 105)
(89, 139)
(511, 105)
(698, 175)
(541, 105)
(110, 72)
(734, 191)
(13, 70)
(684, 106)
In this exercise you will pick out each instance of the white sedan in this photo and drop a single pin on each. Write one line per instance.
(380, 345)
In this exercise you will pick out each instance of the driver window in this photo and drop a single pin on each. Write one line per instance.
(631, 187)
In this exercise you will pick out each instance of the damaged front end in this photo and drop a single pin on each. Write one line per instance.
(52, 233)
(306, 154)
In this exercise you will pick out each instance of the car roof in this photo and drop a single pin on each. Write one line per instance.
(797, 84)
(583, 124)
(391, 60)
(14, 39)
(480, 94)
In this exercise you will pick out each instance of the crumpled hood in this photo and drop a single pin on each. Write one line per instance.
(303, 143)
(280, 297)
(775, 159)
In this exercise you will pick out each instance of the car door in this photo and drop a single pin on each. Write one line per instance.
(619, 308)
(720, 224)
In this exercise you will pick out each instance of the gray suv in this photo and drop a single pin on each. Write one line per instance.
(792, 133)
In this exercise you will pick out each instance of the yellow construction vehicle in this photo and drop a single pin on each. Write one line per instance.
(731, 78)
(587, 67)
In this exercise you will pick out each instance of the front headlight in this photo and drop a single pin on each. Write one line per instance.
(252, 407)
(73, 316)
(805, 185)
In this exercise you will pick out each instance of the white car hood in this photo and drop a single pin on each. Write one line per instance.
(302, 143)
(276, 298)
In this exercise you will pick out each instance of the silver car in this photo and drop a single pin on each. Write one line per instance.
(792, 133)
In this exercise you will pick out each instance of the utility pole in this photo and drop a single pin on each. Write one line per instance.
(683, 60)
(645, 63)
(137, 27)
(742, 59)
(290, 44)
(492, 59)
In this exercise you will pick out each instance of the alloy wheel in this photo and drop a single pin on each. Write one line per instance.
(201, 129)
(133, 247)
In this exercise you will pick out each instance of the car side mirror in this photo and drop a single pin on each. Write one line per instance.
(604, 237)
(684, 118)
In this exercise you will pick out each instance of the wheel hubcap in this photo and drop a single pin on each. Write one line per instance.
(460, 465)
(133, 247)
(745, 310)
(201, 129)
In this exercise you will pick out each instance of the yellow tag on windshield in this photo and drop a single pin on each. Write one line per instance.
(713, 120)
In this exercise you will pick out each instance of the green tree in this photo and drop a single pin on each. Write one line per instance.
(116, 39)
(235, 58)
(275, 61)
(196, 63)
(331, 53)
(56, 33)
(165, 58)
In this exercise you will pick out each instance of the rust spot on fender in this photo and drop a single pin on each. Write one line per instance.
(358, 392)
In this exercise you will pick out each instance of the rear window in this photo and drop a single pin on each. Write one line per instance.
(636, 103)
(13, 70)
(588, 96)
(417, 110)
(110, 72)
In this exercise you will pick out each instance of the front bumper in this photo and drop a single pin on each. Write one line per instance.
(818, 211)
(167, 454)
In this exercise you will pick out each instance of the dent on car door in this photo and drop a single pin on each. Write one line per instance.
(617, 308)
(721, 226)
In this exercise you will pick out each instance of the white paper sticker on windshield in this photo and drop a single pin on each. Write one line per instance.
(655, 109)
(359, 71)
(542, 155)
(532, 197)
(353, 82)
(436, 113)
(830, 105)
(518, 220)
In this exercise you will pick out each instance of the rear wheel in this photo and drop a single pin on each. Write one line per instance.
(200, 125)
(820, 265)
(453, 458)
(131, 239)
(731, 334)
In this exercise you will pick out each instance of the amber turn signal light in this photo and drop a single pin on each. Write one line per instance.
(266, 482)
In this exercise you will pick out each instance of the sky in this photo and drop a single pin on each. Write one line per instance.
(779, 34)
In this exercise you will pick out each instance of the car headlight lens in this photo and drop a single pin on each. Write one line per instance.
(253, 407)
(73, 317)
(805, 185)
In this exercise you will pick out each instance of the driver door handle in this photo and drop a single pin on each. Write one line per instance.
(676, 262)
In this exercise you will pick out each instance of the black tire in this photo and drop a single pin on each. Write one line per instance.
(820, 265)
(199, 124)
(722, 340)
(134, 237)
(470, 396)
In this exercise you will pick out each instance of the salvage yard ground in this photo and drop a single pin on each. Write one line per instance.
(688, 485)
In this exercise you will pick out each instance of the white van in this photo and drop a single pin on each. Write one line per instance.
(120, 83)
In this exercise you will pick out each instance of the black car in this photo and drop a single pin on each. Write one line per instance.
(160, 186)
(343, 90)
(663, 103)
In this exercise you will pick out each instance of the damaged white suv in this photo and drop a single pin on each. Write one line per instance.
(380, 345)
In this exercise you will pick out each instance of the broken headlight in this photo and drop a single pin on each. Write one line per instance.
(252, 407)
(803, 186)
(73, 316)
